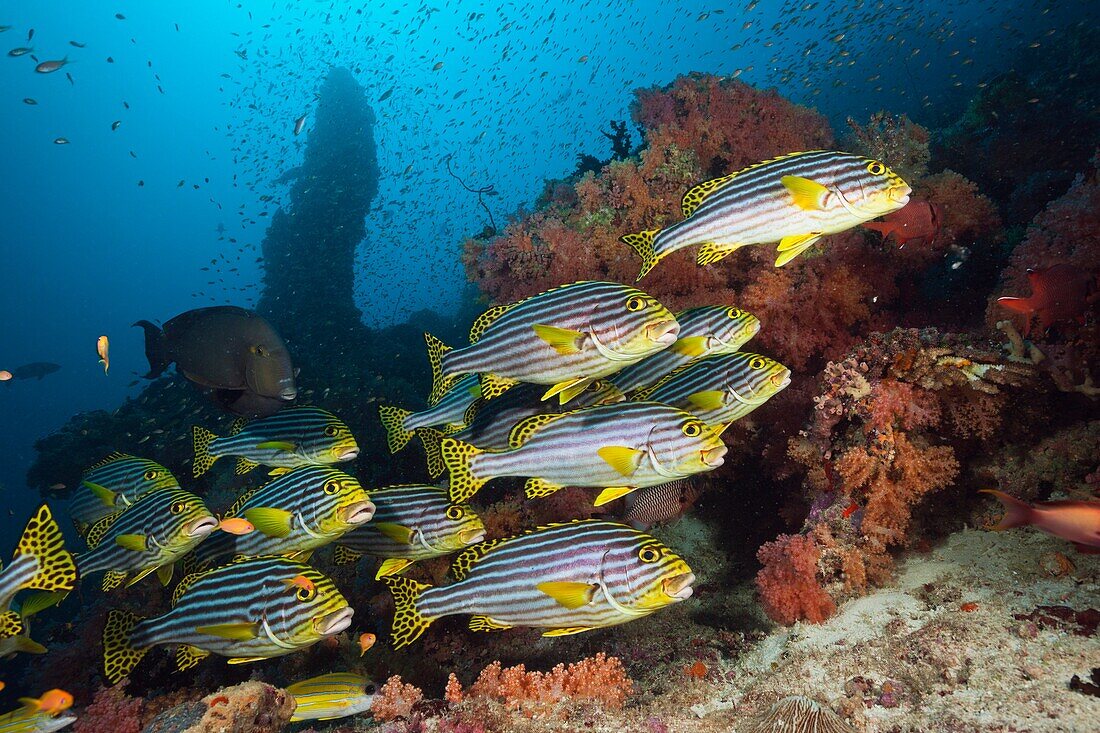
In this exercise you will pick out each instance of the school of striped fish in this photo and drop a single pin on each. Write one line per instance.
(590, 384)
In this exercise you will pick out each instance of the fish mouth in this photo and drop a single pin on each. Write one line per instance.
(663, 332)
(349, 454)
(200, 527)
(334, 622)
(899, 194)
(288, 393)
(781, 379)
(679, 586)
(715, 456)
(358, 513)
(471, 536)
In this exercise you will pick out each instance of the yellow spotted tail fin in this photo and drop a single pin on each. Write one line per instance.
(432, 440)
(440, 384)
(11, 625)
(120, 656)
(393, 420)
(408, 622)
(43, 540)
(202, 438)
(457, 457)
(642, 244)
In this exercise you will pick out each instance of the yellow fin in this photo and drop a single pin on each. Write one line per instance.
(484, 623)
(99, 528)
(188, 656)
(493, 385)
(102, 493)
(282, 445)
(711, 399)
(396, 532)
(430, 439)
(201, 438)
(569, 389)
(486, 319)
(240, 502)
(237, 425)
(695, 196)
(343, 555)
(622, 458)
(538, 488)
(11, 625)
(807, 194)
(27, 645)
(112, 579)
(392, 566)
(458, 456)
(246, 660)
(135, 542)
(243, 466)
(440, 384)
(120, 656)
(564, 340)
(569, 595)
(393, 420)
(408, 622)
(164, 573)
(42, 539)
(642, 244)
(791, 247)
(141, 575)
(569, 631)
(712, 252)
(690, 346)
(40, 601)
(523, 430)
(609, 495)
(281, 471)
(460, 566)
(243, 631)
(272, 522)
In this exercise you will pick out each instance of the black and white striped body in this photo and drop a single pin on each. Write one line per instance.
(128, 477)
(15, 576)
(451, 408)
(438, 526)
(317, 437)
(722, 388)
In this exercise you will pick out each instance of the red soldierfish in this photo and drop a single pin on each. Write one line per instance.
(1075, 521)
(916, 220)
(47, 67)
(1058, 293)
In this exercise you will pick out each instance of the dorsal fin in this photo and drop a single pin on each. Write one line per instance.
(643, 394)
(460, 566)
(110, 458)
(528, 425)
(189, 580)
(237, 425)
(695, 196)
(472, 410)
(486, 319)
(240, 502)
(99, 529)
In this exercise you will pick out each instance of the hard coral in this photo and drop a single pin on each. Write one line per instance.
(798, 714)
(788, 583)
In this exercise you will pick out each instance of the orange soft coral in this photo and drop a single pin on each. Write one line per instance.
(788, 584)
(395, 699)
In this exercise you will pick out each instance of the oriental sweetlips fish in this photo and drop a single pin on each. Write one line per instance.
(1058, 293)
(295, 437)
(1075, 521)
(567, 578)
(794, 199)
(148, 537)
(709, 329)
(411, 522)
(448, 413)
(227, 349)
(331, 696)
(296, 513)
(248, 610)
(619, 447)
(566, 337)
(113, 484)
(722, 388)
(40, 562)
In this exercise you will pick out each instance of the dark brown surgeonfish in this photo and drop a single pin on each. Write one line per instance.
(230, 350)
(35, 370)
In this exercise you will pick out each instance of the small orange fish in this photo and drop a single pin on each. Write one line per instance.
(236, 525)
(2, 686)
(102, 347)
(366, 641)
(51, 703)
(969, 607)
(5, 375)
(696, 671)
(301, 581)
(1075, 521)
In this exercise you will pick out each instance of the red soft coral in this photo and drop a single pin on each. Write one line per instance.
(788, 583)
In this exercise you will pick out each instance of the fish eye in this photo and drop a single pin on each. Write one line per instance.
(331, 431)
(331, 487)
(875, 168)
(370, 689)
(649, 554)
(735, 313)
(259, 350)
(692, 429)
(455, 512)
(595, 386)
(758, 362)
(307, 594)
(178, 507)
(151, 474)
(635, 303)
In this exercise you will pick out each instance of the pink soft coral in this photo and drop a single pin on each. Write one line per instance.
(788, 584)
(111, 710)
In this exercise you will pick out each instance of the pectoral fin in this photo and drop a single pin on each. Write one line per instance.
(807, 194)
(564, 340)
(569, 595)
(709, 400)
(622, 458)
(233, 632)
(270, 521)
(102, 493)
(690, 346)
(396, 532)
(276, 445)
(135, 542)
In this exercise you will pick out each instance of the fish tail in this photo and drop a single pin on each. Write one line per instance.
(440, 383)
(882, 227)
(1017, 513)
(393, 420)
(120, 656)
(432, 440)
(43, 540)
(11, 624)
(642, 244)
(155, 349)
(202, 439)
(408, 622)
(1016, 305)
(457, 457)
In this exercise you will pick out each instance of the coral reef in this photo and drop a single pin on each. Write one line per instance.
(788, 584)
(112, 709)
(395, 699)
(251, 707)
